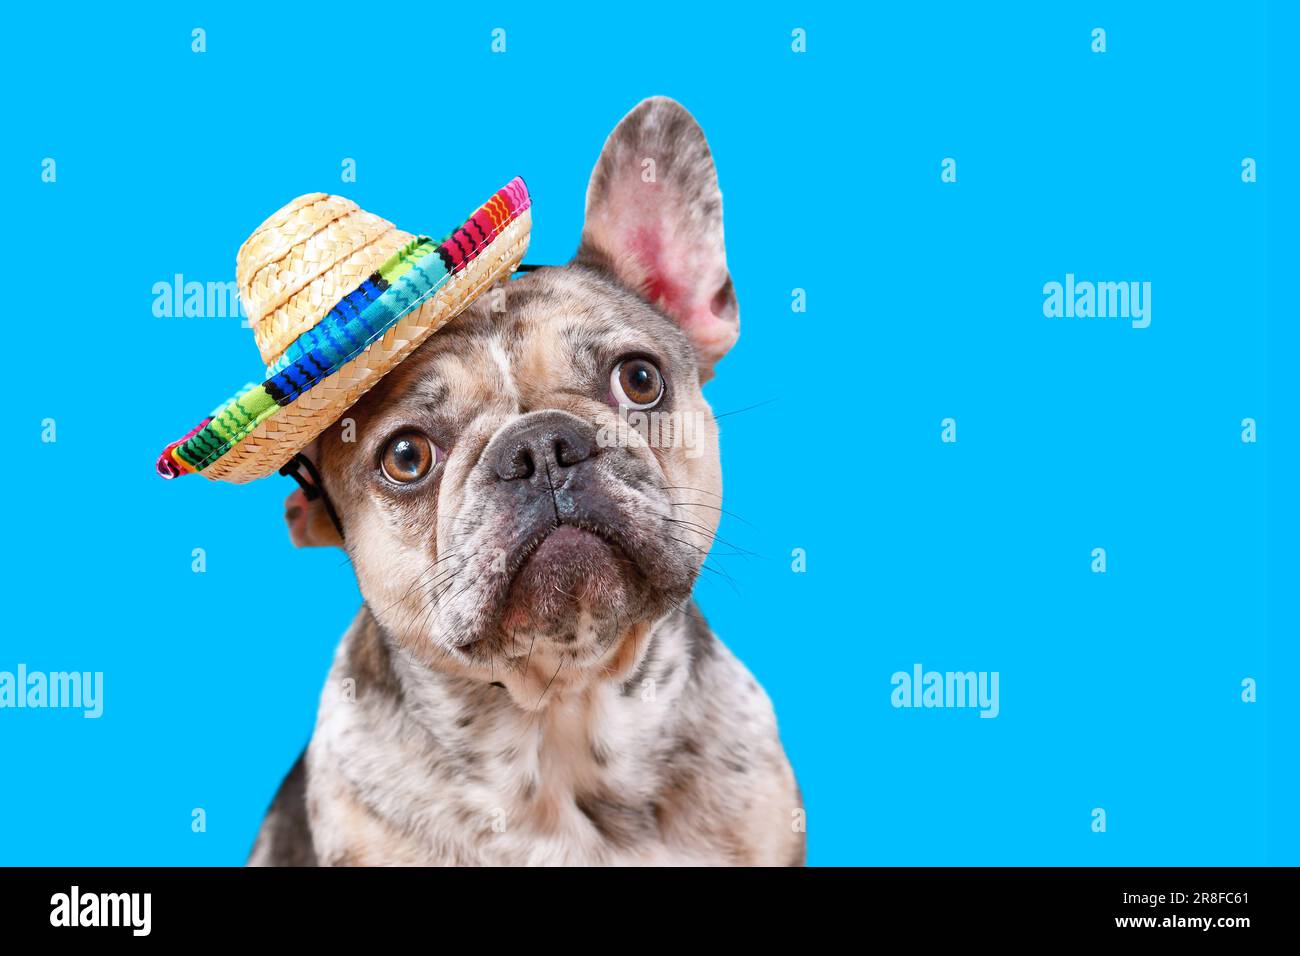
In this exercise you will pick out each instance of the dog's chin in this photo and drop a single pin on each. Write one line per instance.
(573, 582)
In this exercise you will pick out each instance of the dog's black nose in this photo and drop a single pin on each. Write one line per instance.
(539, 443)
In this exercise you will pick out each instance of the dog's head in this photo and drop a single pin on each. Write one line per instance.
(540, 479)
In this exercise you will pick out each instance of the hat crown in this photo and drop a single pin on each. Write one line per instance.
(303, 259)
(337, 298)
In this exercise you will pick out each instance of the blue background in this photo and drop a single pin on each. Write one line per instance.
(924, 299)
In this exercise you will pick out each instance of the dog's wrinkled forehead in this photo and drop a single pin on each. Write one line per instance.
(551, 332)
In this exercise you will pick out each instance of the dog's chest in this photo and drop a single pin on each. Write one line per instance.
(575, 784)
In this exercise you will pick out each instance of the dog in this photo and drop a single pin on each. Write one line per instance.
(528, 681)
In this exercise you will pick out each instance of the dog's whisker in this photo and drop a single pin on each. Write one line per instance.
(549, 683)
(712, 536)
(709, 552)
(747, 408)
(530, 653)
(701, 504)
(723, 574)
(702, 491)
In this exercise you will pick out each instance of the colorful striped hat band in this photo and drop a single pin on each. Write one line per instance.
(338, 297)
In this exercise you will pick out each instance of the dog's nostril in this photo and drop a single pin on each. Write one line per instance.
(571, 448)
(524, 466)
(517, 463)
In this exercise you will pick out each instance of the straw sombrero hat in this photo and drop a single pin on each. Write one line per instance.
(338, 297)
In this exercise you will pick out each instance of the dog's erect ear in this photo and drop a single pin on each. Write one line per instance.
(654, 217)
(309, 522)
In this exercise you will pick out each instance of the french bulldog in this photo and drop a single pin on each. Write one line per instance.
(528, 681)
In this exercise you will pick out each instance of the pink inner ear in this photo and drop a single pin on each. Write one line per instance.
(696, 307)
(646, 245)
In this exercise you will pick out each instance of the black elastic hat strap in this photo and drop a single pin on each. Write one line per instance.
(313, 489)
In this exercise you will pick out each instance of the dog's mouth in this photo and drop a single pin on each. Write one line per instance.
(576, 569)
(564, 570)
(568, 543)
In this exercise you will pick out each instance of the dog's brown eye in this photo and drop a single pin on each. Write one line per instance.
(408, 458)
(636, 383)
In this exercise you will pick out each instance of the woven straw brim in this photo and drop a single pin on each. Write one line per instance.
(294, 426)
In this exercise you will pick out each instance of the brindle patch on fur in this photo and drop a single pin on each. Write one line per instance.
(370, 664)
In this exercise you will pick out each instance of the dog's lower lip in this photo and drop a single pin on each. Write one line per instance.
(568, 531)
(569, 527)
(538, 538)
(572, 532)
(534, 541)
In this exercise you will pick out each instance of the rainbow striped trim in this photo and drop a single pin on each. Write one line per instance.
(361, 317)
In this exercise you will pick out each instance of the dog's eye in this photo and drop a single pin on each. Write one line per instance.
(637, 383)
(408, 458)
